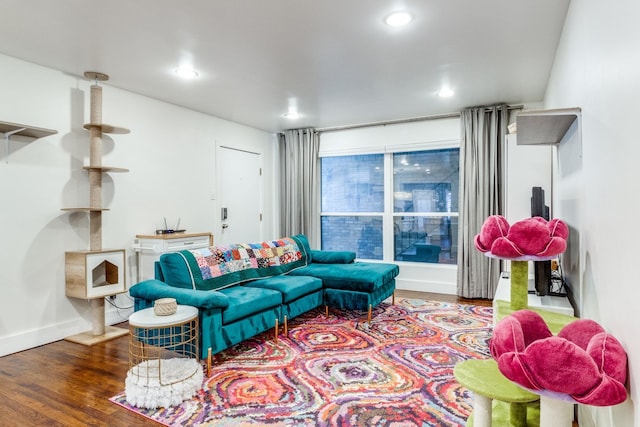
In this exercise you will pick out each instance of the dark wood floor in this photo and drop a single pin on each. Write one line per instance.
(442, 297)
(67, 384)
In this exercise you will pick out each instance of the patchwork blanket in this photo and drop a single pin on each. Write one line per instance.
(221, 266)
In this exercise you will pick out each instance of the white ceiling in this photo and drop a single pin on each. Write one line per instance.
(335, 61)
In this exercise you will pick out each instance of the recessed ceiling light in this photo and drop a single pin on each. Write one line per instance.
(186, 73)
(445, 93)
(291, 115)
(398, 19)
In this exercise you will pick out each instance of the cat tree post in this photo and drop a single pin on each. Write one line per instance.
(95, 175)
(519, 284)
(555, 412)
(95, 198)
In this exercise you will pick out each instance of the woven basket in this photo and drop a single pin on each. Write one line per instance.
(165, 306)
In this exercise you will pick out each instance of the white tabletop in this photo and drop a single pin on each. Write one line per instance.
(148, 319)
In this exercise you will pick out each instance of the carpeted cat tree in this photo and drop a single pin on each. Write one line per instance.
(581, 364)
(532, 239)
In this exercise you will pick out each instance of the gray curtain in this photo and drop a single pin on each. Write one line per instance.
(483, 132)
(300, 183)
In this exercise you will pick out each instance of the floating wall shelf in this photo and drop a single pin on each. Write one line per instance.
(24, 130)
(545, 127)
(9, 129)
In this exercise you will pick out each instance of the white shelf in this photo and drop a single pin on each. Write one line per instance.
(25, 130)
(544, 127)
(9, 129)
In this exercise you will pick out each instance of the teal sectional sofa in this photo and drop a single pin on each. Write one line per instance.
(244, 289)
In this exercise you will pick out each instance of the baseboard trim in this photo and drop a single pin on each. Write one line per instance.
(38, 337)
(56, 332)
(423, 286)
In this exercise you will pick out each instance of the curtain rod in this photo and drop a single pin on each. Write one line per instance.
(400, 121)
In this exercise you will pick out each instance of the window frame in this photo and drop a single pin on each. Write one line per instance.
(388, 216)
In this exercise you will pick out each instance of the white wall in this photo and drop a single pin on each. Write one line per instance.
(526, 166)
(597, 68)
(439, 278)
(374, 139)
(170, 154)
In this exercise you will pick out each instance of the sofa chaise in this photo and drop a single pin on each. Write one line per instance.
(242, 290)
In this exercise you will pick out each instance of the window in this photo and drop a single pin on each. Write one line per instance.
(352, 204)
(414, 193)
(425, 205)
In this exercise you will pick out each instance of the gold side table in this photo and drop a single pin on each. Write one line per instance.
(164, 368)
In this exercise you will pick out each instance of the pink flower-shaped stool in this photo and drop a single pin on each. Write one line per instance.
(582, 364)
(531, 239)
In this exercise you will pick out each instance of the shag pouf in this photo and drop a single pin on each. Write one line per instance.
(162, 383)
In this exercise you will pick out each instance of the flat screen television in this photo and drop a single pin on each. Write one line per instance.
(542, 269)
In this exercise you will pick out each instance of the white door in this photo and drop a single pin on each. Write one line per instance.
(240, 189)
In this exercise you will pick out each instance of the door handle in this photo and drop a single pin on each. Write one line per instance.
(225, 225)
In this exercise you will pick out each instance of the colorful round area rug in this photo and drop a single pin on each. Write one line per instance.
(342, 371)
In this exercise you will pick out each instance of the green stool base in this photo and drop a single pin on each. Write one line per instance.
(484, 379)
(500, 414)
